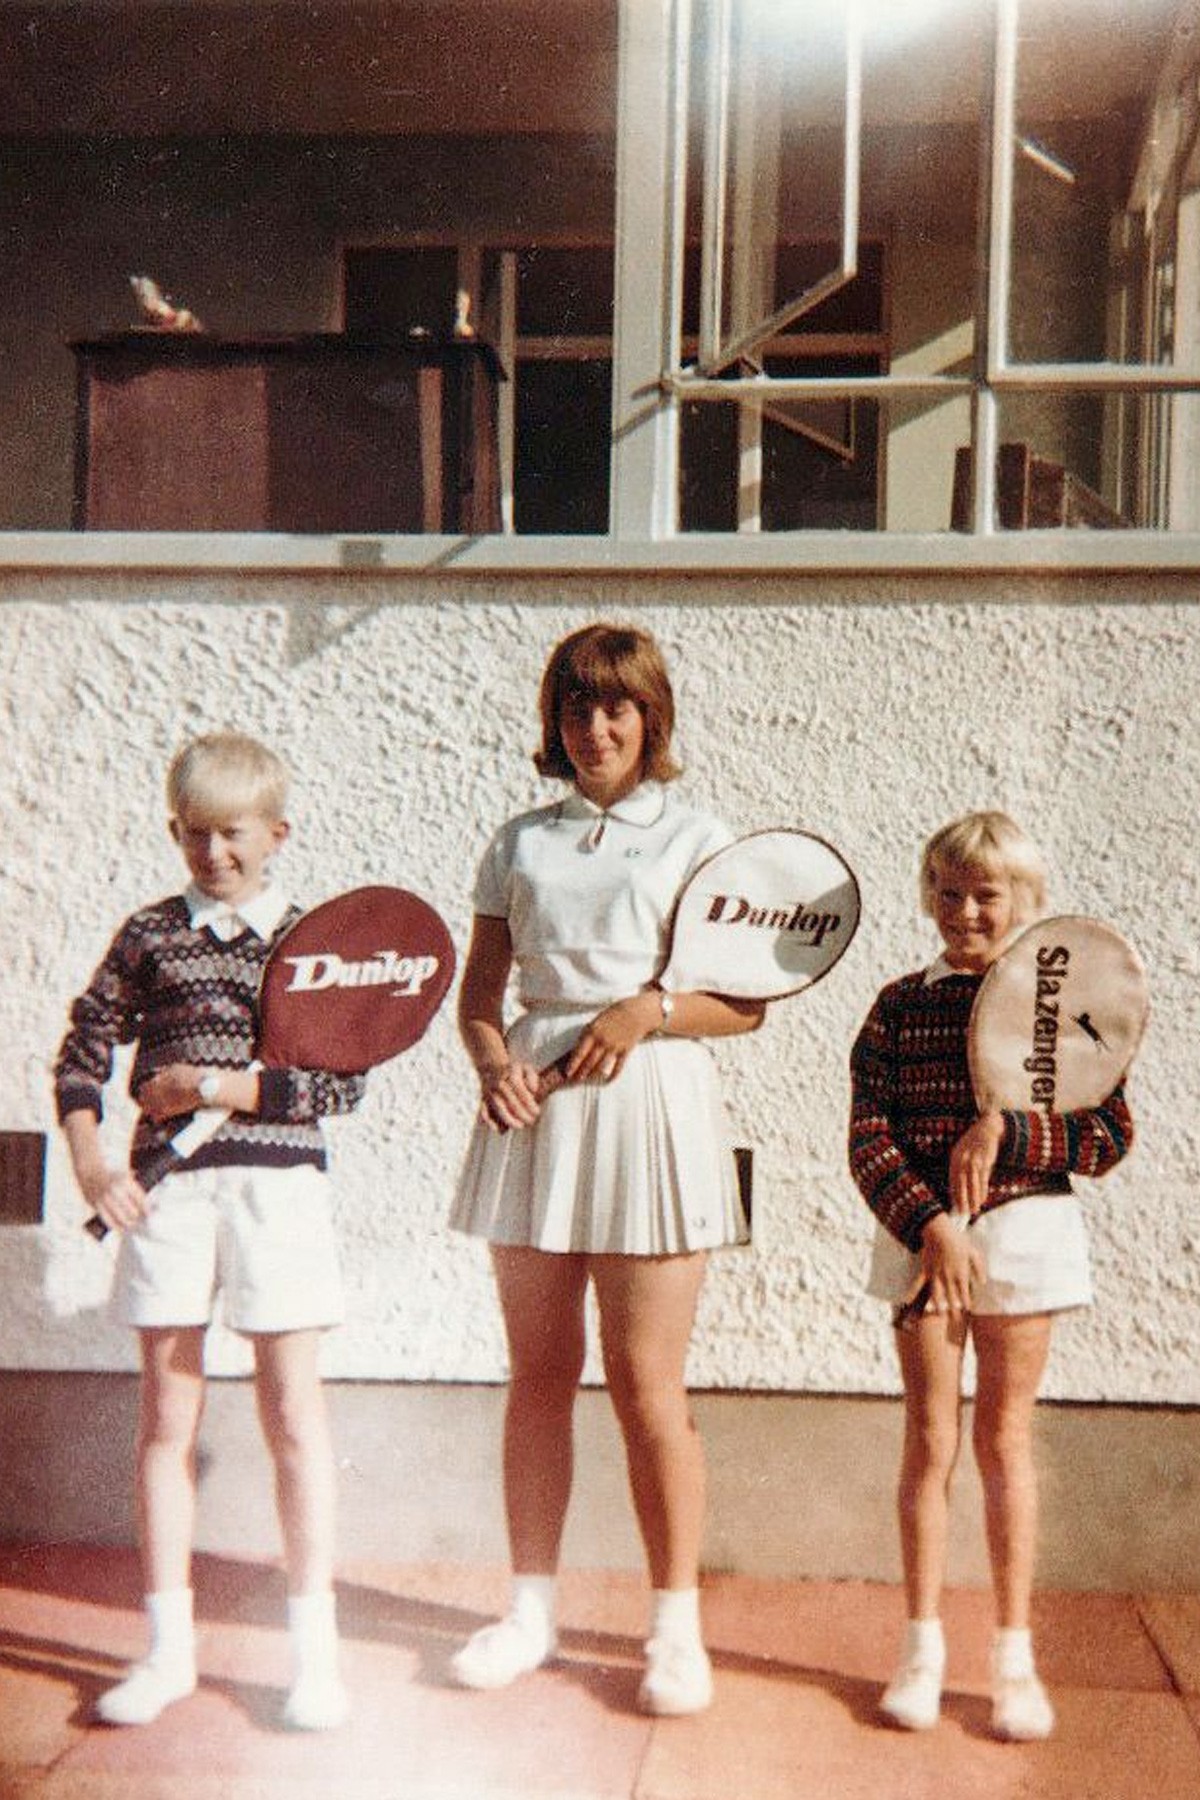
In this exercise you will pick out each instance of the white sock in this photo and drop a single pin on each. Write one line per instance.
(925, 1643)
(532, 1603)
(675, 1614)
(1012, 1653)
(172, 1633)
(312, 1627)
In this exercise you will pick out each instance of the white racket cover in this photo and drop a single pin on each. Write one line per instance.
(767, 916)
(1058, 1018)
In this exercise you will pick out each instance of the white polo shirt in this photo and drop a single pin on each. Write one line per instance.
(588, 893)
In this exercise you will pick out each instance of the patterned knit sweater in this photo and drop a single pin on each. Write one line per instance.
(912, 1101)
(181, 995)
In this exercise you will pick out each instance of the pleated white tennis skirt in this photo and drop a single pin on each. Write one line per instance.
(640, 1166)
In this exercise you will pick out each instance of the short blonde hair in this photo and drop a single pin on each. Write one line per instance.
(605, 663)
(226, 772)
(993, 842)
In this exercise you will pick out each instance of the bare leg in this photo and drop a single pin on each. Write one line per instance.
(291, 1408)
(931, 1363)
(1012, 1354)
(647, 1310)
(171, 1404)
(170, 1410)
(931, 1355)
(542, 1296)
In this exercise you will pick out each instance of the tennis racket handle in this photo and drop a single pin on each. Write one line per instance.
(905, 1316)
(550, 1079)
(149, 1173)
(203, 1125)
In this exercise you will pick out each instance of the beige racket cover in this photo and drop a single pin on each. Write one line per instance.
(1058, 1018)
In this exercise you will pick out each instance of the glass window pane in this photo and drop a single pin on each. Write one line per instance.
(564, 412)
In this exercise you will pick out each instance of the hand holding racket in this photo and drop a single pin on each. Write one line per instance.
(354, 982)
(1055, 1026)
(763, 918)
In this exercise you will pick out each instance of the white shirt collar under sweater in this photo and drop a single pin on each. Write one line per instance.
(261, 914)
(941, 970)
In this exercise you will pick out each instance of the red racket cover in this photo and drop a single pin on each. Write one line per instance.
(354, 982)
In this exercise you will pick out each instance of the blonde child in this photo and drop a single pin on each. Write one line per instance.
(248, 1214)
(921, 1154)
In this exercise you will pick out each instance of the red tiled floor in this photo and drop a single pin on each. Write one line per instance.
(798, 1665)
(1173, 1621)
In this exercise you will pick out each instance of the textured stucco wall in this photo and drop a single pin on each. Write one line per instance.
(868, 710)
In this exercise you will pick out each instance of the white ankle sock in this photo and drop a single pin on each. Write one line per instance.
(317, 1700)
(675, 1615)
(1012, 1653)
(532, 1603)
(172, 1632)
(925, 1643)
(168, 1672)
(312, 1627)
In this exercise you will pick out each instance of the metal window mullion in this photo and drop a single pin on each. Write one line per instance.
(644, 461)
(816, 387)
(715, 356)
(992, 323)
(506, 406)
(715, 180)
(1147, 378)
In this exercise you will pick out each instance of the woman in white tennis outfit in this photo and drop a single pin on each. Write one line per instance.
(624, 1178)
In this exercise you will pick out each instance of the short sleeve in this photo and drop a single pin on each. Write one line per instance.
(491, 892)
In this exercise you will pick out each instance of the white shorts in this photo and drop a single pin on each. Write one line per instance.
(1036, 1251)
(262, 1238)
(641, 1166)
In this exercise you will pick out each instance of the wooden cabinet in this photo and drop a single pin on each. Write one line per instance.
(322, 433)
(1031, 493)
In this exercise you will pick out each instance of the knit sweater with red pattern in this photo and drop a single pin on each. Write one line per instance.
(912, 1101)
(182, 996)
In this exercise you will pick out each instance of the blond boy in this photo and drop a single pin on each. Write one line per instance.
(248, 1215)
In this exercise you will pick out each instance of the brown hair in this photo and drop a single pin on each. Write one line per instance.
(606, 663)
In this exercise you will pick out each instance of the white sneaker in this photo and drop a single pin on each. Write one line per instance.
(1021, 1709)
(146, 1691)
(913, 1697)
(318, 1701)
(678, 1678)
(496, 1655)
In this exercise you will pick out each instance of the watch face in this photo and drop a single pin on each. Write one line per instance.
(209, 1087)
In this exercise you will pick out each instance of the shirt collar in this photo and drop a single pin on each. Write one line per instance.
(261, 914)
(941, 970)
(644, 806)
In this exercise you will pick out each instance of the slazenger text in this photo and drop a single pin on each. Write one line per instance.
(406, 975)
(1053, 964)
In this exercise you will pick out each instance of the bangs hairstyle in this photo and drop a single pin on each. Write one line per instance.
(607, 663)
(225, 773)
(993, 842)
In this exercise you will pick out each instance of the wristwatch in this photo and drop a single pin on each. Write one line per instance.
(209, 1089)
(668, 1007)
